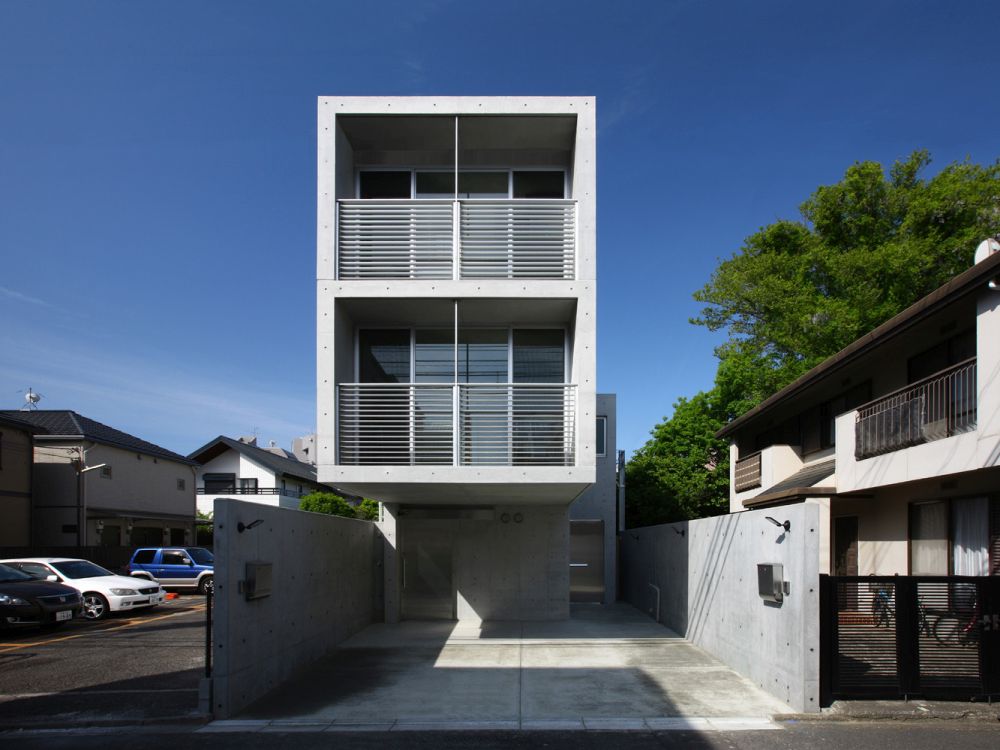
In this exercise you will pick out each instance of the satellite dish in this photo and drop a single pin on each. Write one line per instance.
(31, 400)
(986, 249)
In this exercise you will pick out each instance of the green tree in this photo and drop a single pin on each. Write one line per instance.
(367, 509)
(800, 290)
(327, 502)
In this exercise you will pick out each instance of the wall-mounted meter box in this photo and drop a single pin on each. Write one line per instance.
(770, 582)
(257, 582)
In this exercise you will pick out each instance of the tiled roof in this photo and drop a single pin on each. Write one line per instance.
(280, 465)
(65, 423)
(801, 484)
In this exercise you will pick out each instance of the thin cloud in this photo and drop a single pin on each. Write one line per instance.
(16, 296)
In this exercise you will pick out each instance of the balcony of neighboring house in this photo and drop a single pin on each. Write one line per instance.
(476, 405)
(756, 472)
(217, 485)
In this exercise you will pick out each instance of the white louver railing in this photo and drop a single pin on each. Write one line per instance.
(472, 239)
(399, 424)
(532, 239)
(395, 239)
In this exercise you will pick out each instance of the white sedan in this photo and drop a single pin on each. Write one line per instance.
(103, 591)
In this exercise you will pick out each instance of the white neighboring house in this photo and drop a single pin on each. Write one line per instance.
(240, 469)
(896, 438)
(456, 341)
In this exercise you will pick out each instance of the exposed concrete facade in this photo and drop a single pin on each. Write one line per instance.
(454, 507)
(700, 579)
(324, 572)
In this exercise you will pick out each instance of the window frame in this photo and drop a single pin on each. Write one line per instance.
(451, 170)
(602, 431)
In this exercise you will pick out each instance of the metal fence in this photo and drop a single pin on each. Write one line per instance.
(469, 239)
(910, 636)
(504, 424)
(934, 408)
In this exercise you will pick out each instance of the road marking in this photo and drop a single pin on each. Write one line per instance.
(8, 647)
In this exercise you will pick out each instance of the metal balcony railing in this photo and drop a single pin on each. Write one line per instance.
(402, 424)
(747, 476)
(931, 409)
(469, 239)
(247, 491)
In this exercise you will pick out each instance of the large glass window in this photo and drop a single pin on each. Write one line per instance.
(538, 184)
(384, 356)
(929, 539)
(971, 531)
(539, 356)
(379, 184)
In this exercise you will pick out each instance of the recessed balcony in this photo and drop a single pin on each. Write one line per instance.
(463, 239)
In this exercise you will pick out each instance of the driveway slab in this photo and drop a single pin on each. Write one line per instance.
(605, 667)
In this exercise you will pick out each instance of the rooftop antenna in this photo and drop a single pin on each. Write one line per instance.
(31, 399)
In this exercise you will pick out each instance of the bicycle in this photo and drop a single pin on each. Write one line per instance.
(958, 627)
(882, 610)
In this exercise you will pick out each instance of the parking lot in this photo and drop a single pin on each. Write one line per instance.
(143, 666)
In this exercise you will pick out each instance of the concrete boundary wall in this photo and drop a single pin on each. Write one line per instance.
(323, 591)
(705, 572)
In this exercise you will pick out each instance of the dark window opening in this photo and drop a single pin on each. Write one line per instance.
(384, 185)
(539, 185)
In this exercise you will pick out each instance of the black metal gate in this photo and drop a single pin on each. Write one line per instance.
(910, 636)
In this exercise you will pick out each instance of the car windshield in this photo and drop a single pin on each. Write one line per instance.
(9, 574)
(201, 556)
(80, 569)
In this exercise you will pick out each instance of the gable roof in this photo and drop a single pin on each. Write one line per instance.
(280, 465)
(958, 287)
(56, 424)
(6, 419)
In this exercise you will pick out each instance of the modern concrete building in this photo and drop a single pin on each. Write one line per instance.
(896, 438)
(456, 340)
(243, 470)
(93, 485)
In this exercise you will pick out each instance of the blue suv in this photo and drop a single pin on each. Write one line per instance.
(191, 568)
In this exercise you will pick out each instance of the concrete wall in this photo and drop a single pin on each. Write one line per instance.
(706, 571)
(598, 502)
(324, 590)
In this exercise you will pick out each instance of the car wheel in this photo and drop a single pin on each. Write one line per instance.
(95, 606)
(206, 585)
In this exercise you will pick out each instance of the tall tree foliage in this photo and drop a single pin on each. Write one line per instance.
(798, 291)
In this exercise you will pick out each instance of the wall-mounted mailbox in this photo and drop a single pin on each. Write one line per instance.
(770, 582)
(257, 582)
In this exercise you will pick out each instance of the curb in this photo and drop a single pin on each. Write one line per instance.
(29, 726)
(985, 717)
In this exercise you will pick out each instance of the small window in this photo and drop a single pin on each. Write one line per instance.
(1, 451)
(539, 185)
(181, 484)
(106, 472)
(375, 185)
(602, 437)
(248, 485)
(144, 557)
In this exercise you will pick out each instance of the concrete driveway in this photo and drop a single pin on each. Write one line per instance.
(605, 668)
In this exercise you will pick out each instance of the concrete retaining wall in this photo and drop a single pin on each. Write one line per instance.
(706, 573)
(324, 590)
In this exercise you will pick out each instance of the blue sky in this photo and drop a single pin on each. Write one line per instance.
(157, 172)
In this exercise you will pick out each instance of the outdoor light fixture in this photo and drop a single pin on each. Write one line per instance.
(787, 525)
(241, 527)
(678, 531)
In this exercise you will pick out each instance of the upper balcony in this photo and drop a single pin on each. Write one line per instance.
(457, 239)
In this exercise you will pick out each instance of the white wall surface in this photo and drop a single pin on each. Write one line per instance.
(707, 579)
(323, 592)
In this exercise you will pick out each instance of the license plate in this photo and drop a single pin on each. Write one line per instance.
(66, 614)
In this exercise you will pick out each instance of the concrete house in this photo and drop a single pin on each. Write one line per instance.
(456, 265)
(16, 461)
(896, 438)
(142, 494)
(242, 469)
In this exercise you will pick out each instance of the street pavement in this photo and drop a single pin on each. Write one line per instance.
(908, 735)
(142, 667)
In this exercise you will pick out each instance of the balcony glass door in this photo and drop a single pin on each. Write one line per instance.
(539, 413)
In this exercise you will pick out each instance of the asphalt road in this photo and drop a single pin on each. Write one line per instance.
(911, 735)
(140, 667)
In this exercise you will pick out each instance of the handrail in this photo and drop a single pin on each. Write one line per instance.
(916, 384)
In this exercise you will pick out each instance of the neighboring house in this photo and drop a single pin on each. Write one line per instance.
(142, 494)
(456, 340)
(16, 460)
(241, 469)
(897, 438)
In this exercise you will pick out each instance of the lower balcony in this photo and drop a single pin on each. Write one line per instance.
(469, 442)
